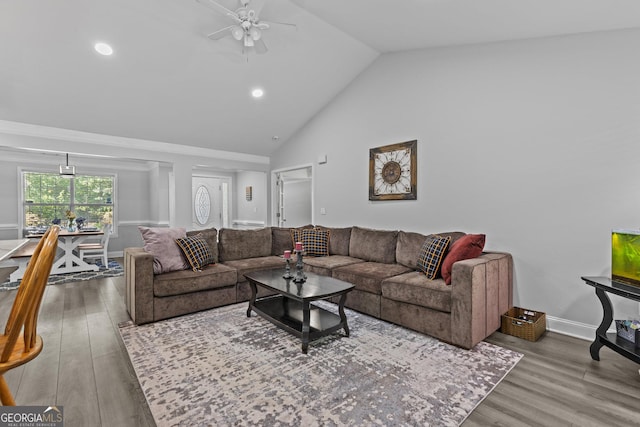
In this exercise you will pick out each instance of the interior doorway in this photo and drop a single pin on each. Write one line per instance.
(294, 196)
(210, 196)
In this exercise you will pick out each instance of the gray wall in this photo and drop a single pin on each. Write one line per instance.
(534, 143)
(132, 205)
(256, 209)
(297, 203)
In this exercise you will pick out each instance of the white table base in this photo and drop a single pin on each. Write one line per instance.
(69, 262)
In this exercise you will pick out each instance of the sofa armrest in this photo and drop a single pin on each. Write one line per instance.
(138, 271)
(482, 290)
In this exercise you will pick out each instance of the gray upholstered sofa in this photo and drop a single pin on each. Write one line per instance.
(380, 263)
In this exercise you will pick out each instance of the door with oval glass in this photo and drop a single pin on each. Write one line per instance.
(210, 197)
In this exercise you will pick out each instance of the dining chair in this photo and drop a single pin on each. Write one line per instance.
(20, 342)
(97, 249)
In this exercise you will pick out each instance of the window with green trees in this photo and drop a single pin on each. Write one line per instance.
(48, 196)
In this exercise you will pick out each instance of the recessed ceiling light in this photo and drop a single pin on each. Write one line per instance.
(257, 93)
(103, 49)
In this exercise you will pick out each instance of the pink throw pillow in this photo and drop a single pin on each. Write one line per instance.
(467, 247)
(161, 243)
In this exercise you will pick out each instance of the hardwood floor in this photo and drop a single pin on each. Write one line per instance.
(85, 368)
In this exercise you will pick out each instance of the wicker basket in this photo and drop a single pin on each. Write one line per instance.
(523, 323)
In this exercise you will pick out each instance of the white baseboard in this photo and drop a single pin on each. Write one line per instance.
(573, 329)
(145, 223)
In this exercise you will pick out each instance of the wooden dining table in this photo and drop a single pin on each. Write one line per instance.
(8, 248)
(67, 260)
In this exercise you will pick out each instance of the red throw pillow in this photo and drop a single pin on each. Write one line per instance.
(466, 247)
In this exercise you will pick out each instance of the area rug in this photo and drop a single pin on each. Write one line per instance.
(220, 368)
(113, 270)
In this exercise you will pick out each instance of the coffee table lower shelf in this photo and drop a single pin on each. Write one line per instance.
(288, 314)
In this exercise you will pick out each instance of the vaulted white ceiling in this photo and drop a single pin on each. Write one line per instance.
(168, 82)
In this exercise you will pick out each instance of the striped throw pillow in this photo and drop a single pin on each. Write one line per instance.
(196, 251)
(431, 255)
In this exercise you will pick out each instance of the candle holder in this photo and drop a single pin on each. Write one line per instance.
(287, 270)
(300, 276)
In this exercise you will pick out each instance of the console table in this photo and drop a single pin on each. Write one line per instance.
(605, 285)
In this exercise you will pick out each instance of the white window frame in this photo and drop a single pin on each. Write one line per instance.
(21, 201)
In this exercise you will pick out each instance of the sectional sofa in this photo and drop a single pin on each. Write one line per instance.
(380, 263)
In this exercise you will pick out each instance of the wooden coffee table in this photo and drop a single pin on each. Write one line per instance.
(291, 308)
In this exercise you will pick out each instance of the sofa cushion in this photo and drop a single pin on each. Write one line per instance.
(326, 264)
(367, 276)
(280, 240)
(409, 245)
(241, 244)
(339, 242)
(210, 235)
(373, 245)
(431, 255)
(467, 247)
(415, 288)
(248, 265)
(212, 276)
(408, 248)
(161, 243)
(196, 251)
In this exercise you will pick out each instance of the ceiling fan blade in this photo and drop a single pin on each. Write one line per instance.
(220, 9)
(217, 35)
(256, 6)
(260, 46)
(279, 23)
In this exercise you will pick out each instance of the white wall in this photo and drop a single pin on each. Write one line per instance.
(534, 143)
(297, 203)
(256, 210)
(154, 178)
(132, 187)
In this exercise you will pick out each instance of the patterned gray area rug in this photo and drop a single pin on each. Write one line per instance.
(113, 270)
(220, 368)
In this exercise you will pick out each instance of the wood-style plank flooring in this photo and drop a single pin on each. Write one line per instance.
(85, 368)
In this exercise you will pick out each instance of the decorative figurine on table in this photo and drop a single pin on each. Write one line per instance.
(287, 269)
(80, 222)
(300, 276)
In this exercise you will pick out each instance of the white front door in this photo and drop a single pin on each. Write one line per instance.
(209, 207)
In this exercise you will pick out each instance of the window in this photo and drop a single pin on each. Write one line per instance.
(48, 196)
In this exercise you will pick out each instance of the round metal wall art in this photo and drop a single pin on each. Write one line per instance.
(202, 205)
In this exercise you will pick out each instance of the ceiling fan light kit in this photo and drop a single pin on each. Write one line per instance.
(247, 27)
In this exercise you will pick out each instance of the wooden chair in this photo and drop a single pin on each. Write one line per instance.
(20, 342)
(98, 249)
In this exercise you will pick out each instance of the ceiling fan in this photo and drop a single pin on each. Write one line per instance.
(247, 26)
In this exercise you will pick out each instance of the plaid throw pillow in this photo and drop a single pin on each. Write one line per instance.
(196, 251)
(431, 255)
(314, 240)
(296, 236)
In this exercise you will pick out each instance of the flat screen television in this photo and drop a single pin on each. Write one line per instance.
(625, 257)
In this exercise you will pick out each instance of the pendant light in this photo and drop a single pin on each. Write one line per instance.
(67, 171)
